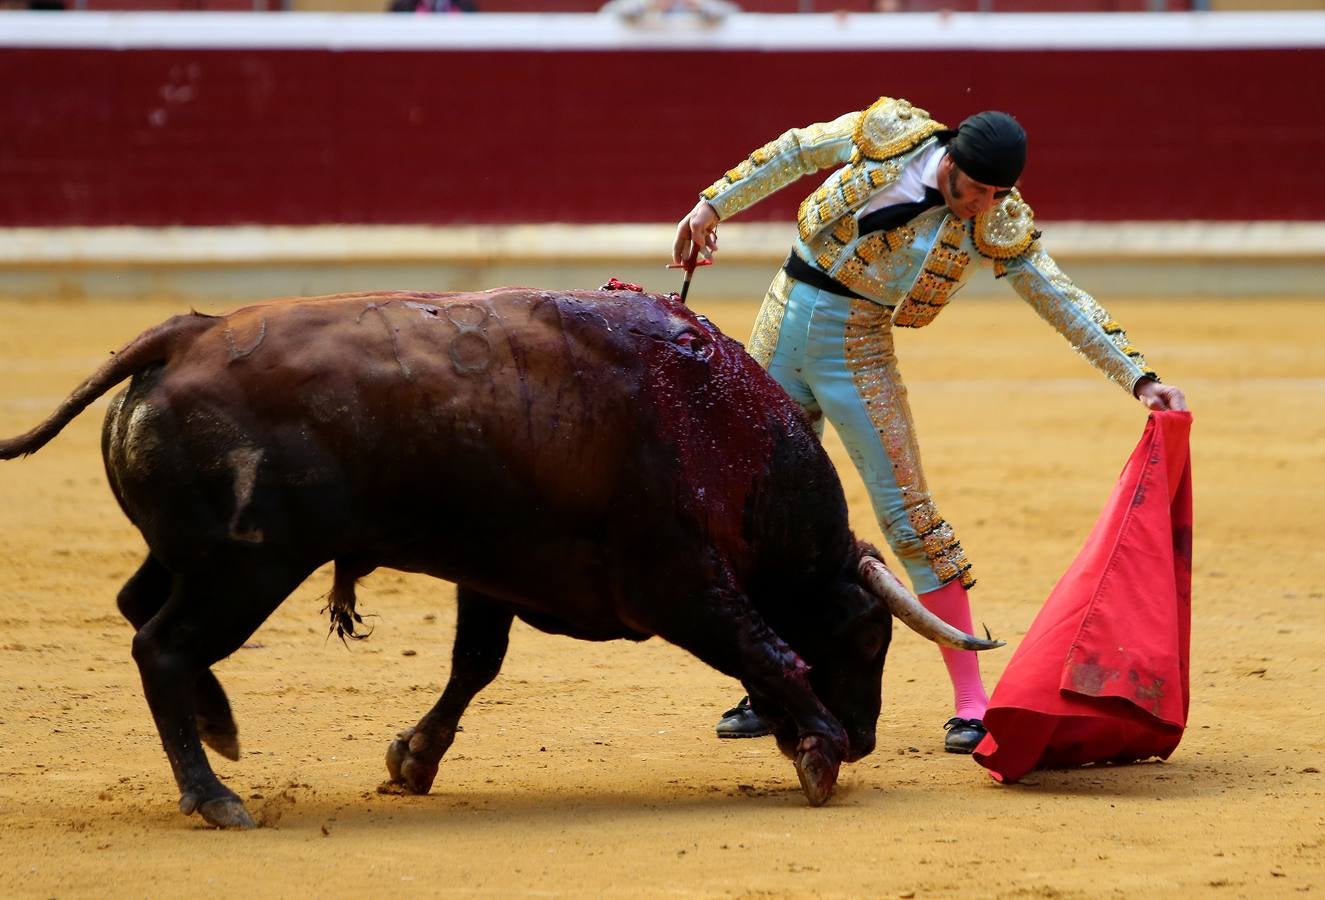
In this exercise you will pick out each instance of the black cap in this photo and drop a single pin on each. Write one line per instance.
(989, 147)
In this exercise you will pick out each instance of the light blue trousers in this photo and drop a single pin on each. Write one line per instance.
(834, 356)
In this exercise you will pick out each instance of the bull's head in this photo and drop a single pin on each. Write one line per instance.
(848, 679)
(847, 674)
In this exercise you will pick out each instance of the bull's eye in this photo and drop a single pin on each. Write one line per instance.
(695, 344)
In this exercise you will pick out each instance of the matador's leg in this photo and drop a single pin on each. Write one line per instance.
(853, 372)
(780, 337)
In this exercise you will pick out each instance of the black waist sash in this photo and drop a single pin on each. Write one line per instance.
(799, 269)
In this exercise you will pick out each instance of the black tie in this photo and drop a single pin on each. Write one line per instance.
(890, 217)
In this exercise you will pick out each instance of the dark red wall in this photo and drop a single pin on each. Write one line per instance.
(201, 137)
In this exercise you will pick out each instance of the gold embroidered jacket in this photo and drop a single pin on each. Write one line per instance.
(917, 267)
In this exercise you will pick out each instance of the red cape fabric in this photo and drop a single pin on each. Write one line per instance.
(1102, 675)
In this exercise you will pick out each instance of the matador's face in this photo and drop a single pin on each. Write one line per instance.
(965, 196)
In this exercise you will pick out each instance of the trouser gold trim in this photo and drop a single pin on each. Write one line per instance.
(768, 324)
(868, 349)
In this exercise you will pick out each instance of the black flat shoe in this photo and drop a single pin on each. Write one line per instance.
(963, 734)
(742, 722)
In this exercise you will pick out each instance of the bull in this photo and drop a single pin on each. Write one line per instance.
(601, 464)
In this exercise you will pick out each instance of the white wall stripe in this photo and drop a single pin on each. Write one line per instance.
(563, 243)
(572, 31)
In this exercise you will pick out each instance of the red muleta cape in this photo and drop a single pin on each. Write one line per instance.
(1102, 675)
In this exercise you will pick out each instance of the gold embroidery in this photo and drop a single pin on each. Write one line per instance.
(839, 195)
(868, 348)
(890, 127)
(881, 258)
(780, 162)
(1006, 229)
(872, 247)
(942, 270)
(765, 153)
(902, 236)
(803, 215)
(942, 548)
(768, 324)
(851, 272)
(947, 262)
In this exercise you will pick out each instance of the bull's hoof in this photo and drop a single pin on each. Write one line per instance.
(407, 766)
(817, 766)
(219, 812)
(226, 812)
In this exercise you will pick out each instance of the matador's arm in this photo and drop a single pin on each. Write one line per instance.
(777, 164)
(1076, 315)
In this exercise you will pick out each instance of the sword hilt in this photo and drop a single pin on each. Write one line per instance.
(689, 264)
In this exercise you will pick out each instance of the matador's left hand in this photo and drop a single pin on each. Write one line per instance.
(1156, 395)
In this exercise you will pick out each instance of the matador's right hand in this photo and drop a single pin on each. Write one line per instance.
(699, 226)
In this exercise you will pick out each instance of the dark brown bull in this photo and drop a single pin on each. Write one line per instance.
(600, 464)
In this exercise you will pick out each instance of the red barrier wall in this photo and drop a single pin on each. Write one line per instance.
(219, 137)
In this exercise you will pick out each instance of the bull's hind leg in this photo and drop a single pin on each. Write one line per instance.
(482, 631)
(208, 616)
(727, 632)
(142, 596)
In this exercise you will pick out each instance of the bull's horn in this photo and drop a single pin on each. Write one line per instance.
(882, 583)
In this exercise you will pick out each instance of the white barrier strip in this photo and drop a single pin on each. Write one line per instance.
(580, 31)
(32, 247)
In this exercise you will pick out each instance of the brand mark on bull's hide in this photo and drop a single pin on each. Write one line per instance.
(237, 352)
(390, 333)
(470, 351)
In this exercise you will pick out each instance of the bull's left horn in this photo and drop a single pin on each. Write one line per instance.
(903, 604)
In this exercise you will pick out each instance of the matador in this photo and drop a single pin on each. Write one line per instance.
(911, 209)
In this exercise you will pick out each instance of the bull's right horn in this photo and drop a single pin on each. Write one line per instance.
(903, 604)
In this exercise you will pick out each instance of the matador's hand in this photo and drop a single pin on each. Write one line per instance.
(1161, 396)
(699, 226)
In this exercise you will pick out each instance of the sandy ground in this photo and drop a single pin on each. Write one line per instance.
(593, 769)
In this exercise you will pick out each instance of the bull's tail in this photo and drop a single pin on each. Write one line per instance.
(152, 346)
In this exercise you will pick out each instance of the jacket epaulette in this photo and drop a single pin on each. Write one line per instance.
(1007, 229)
(892, 126)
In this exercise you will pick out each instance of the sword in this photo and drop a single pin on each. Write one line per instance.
(691, 262)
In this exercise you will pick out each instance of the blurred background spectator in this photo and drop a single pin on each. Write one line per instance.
(433, 6)
(641, 12)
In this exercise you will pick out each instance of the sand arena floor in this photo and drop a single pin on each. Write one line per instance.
(593, 769)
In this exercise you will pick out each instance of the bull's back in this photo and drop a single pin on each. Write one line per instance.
(370, 412)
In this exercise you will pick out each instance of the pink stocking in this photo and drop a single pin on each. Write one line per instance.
(951, 604)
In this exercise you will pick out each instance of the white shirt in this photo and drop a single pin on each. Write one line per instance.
(921, 172)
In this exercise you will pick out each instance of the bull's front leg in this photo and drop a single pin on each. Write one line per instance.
(730, 635)
(482, 632)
